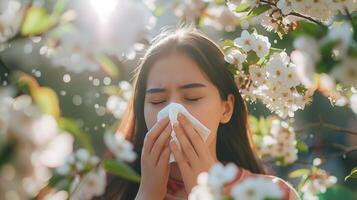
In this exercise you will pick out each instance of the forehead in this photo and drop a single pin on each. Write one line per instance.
(175, 69)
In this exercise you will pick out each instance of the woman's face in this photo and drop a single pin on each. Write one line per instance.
(177, 78)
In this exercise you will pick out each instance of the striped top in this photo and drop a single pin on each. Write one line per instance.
(176, 188)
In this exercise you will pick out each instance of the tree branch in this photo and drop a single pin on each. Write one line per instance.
(293, 13)
(305, 17)
(323, 124)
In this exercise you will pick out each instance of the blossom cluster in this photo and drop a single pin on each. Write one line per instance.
(35, 142)
(317, 182)
(214, 185)
(11, 14)
(280, 144)
(274, 82)
(117, 103)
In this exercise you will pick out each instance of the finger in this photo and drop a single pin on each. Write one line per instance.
(186, 145)
(164, 158)
(179, 157)
(160, 143)
(154, 133)
(194, 137)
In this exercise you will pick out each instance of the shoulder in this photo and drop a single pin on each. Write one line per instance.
(289, 191)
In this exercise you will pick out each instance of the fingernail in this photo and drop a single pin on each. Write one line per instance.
(175, 125)
(179, 116)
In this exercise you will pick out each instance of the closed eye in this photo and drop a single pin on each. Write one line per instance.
(159, 102)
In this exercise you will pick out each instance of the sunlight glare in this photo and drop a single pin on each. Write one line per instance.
(103, 8)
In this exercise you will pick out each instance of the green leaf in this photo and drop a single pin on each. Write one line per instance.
(353, 174)
(252, 57)
(228, 198)
(258, 10)
(59, 31)
(337, 192)
(264, 126)
(159, 10)
(60, 182)
(352, 50)
(326, 48)
(44, 97)
(298, 173)
(301, 89)
(302, 146)
(308, 28)
(47, 100)
(354, 25)
(107, 65)
(227, 43)
(72, 127)
(6, 152)
(220, 2)
(59, 7)
(243, 7)
(121, 169)
(303, 181)
(280, 160)
(326, 63)
(26, 83)
(37, 21)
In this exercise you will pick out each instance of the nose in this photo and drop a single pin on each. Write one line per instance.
(175, 98)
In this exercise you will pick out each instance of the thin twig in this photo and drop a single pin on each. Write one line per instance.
(323, 124)
(293, 13)
(339, 147)
(305, 17)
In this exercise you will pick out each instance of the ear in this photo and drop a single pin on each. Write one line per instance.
(228, 107)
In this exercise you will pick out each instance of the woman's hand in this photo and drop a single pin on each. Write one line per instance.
(195, 156)
(155, 161)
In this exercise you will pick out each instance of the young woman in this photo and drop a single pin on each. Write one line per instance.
(185, 67)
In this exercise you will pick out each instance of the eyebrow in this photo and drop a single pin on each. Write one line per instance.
(187, 86)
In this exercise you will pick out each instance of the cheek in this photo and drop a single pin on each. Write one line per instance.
(150, 114)
(208, 113)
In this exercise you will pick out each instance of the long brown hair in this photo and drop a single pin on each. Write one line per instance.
(234, 141)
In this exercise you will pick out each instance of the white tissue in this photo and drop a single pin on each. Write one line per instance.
(172, 111)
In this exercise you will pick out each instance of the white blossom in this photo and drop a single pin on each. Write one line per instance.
(245, 41)
(353, 103)
(91, 185)
(39, 145)
(219, 174)
(78, 161)
(202, 191)
(284, 6)
(342, 34)
(190, 10)
(220, 18)
(235, 57)
(346, 72)
(261, 46)
(121, 148)
(116, 105)
(256, 188)
(280, 144)
(11, 14)
(78, 50)
(317, 182)
(210, 184)
(258, 74)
